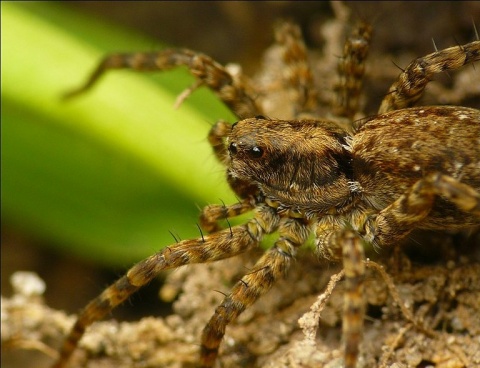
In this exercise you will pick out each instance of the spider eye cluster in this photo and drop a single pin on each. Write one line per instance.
(251, 152)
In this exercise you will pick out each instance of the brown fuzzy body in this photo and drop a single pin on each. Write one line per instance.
(394, 150)
(315, 168)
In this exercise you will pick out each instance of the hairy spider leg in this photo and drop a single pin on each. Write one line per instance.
(216, 137)
(386, 228)
(351, 69)
(398, 219)
(248, 193)
(337, 241)
(211, 214)
(296, 75)
(223, 244)
(353, 258)
(411, 83)
(272, 266)
(232, 90)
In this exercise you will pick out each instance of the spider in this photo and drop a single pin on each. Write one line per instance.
(347, 181)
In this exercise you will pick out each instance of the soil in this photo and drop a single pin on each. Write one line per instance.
(429, 318)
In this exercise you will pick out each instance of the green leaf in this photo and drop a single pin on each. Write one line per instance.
(108, 174)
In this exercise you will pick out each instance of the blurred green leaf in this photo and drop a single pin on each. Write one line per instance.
(108, 174)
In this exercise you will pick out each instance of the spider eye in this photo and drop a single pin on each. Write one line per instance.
(255, 152)
(232, 148)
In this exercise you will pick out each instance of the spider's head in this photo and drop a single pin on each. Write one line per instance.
(288, 158)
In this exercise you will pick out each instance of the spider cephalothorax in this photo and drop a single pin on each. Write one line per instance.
(316, 174)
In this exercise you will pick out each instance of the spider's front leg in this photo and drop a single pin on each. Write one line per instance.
(233, 90)
(223, 244)
(272, 266)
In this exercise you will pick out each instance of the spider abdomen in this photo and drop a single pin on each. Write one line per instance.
(391, 152)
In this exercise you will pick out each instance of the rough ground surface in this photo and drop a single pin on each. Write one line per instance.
(439, 325)
(430, 318)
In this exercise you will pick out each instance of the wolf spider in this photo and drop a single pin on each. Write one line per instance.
(369, 181)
